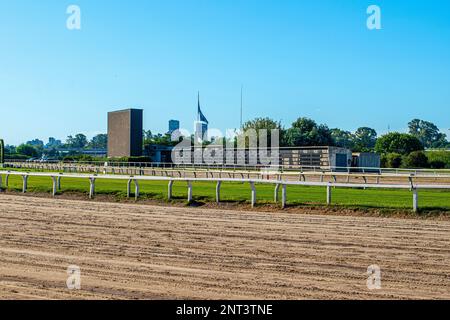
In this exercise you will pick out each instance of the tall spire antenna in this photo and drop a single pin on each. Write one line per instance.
(242, 88)
(198, 108)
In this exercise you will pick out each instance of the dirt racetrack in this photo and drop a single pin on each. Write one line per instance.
(129, 251)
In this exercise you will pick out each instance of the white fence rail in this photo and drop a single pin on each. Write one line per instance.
(98, 166)
(56, 181)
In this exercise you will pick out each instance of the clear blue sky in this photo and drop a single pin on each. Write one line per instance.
(295, 58)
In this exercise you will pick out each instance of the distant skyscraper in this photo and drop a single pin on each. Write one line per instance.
(174, 125)
(201, 125)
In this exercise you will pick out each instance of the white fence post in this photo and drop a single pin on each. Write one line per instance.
(328, 194)
(136, 189)
(252, 185)
(415, 200)
(91, 187)
(219, 183)
(189, 191)
(275, 196)
(169, 190)
(128, 188)
(54, 186)
(283, 196)
(25, 183)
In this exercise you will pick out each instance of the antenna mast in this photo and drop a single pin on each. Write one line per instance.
(242, 88)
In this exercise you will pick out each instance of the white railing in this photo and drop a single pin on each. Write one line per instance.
(98, 166)
(56, 179)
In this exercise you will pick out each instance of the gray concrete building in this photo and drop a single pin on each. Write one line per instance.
(125, 133)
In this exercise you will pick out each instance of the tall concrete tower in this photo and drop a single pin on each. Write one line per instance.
(125, 133)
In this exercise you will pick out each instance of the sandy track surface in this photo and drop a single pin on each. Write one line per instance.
(130, 251)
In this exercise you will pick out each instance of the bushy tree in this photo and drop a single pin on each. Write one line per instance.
(437, 164)
(439, 159)
(267, 124)
(428, 133)
(261, 123)
(416, 159)
(78, 142)
(396, 142)
(364, 139)
(27, 150)
(306, 132)
(158, 139)
(147, 136)
(343, 139)
(391, 160)
(99, 141)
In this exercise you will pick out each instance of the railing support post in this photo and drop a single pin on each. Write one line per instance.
(25, 183)
(129, 188)
(58, 182)
(169, 191)
(415, 200)
(91, 187)
(7, 181)
(189, 183)
(275, 196)
(136, 189)
(219, 183)
(328, 194)
(283, 196)
(1, 183)
(252, 185)
(54, 187)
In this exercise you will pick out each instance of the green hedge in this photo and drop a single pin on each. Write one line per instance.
(441, 159)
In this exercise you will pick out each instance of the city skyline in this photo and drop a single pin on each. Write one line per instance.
(293, 59)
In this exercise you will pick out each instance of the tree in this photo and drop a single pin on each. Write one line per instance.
(341, 138)
(364, 139)
(306, 132)
(78, 142)
(428, 133)
(27, 150)
(416, 159)
(268, 124)
(398, 142)
(261, 123)
(147, 136)
(162, 139)
(392, 160)
(99, 141)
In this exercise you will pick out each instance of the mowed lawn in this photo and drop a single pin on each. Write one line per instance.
(240, 192)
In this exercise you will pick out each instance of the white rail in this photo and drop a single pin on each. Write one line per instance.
(100, 165)
(56, 179)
